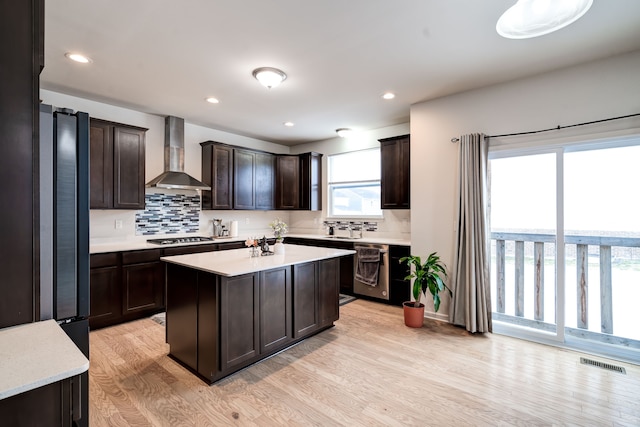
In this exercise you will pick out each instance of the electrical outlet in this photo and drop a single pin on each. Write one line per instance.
(117, 224)
(246, 221)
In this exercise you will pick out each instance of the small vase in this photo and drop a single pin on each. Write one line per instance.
(254, 252)
(278, 248)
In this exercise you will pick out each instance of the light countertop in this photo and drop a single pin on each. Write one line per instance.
(141, 243)
(237, 261)
(36, 354)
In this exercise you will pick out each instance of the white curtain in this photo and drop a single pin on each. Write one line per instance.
(471, 302)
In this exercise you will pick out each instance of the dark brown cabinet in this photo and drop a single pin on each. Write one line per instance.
(106, 294)
(117, 165)
(399, 288)
(244, 172)
(142, 282)
(245, 179)
(311, 181)
(217, 172)
(287, 182)
(130, 285)
(395, 172)
(217, 325)
(265, 180)
(22, 28)
(55, 404)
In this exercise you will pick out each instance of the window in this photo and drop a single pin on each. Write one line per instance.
(354, 184)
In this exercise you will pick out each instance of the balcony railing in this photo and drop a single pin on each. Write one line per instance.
(573, 244)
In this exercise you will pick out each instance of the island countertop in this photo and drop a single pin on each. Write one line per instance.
(236, 262)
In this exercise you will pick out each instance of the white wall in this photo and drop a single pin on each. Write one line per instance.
(593, 91)
(396, 222)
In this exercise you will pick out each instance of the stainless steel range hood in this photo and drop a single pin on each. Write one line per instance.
(174, 175)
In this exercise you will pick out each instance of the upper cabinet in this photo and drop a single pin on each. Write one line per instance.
(287, 182)
(395, 172)
(117, 165)
(217, 173)
(246, 179)
(299, 181)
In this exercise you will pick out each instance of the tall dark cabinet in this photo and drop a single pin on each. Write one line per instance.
(395, 173)
(22, 53)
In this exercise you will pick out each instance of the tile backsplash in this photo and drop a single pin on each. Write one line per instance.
(169, 214)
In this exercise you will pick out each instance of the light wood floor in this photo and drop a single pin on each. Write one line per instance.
(369, 370)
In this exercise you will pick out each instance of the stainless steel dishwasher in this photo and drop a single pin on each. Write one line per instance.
(381, 290)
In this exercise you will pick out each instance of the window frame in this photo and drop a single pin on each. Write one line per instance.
(331, 185)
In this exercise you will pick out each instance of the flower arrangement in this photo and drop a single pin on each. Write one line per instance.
(251, 242)
(279, 228)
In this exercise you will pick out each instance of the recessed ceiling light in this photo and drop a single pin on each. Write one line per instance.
(78, 57)
(212, 100)
(343, 132)
(533, 18)
(269, 77)
(388, 95)
(288, 124)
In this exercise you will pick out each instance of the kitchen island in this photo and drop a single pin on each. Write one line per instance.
(226, 310)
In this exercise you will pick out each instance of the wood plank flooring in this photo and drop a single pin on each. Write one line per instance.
(369, 370)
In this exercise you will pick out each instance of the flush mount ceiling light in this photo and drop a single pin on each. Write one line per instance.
(78, 57)
(343, 132)
(289, 124)
(269, 77)
(533, 18)
(212, 100)
(388, 95)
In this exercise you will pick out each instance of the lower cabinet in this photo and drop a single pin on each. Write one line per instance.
(106, 291)
(56, 404)
(130, 285)
(217, 325)
(142, 282)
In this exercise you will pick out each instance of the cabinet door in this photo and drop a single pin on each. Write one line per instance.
(217, 169)
(287, 182)
(395, 172)
(275, 309)
(328, 291)
(305, 299)
(265, 182)
(243, 179)
(128, 168)
(239, 320)
(311, 181)
(101, 161)
(143, 287)
(106, 297)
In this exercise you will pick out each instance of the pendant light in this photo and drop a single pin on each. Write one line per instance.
(533, 18)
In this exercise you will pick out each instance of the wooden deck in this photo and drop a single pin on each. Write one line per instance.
(369, 370)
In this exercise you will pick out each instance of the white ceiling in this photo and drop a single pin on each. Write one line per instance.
(165, 57)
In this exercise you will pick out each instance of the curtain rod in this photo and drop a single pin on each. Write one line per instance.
(454, 140)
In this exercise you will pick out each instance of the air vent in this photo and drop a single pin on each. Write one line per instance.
(603, 365)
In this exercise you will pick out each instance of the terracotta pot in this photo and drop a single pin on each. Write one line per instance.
(413, 316)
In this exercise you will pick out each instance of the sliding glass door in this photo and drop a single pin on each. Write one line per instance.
(565, 245)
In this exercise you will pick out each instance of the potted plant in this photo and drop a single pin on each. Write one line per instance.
(426, 276)
(279, 228)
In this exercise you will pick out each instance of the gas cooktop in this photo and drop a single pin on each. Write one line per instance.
(177, 240)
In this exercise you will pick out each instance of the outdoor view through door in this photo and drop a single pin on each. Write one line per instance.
(565, 243)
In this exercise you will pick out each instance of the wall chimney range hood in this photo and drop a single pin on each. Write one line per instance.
(174, 176)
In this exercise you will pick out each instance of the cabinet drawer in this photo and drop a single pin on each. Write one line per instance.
(190, 249)
(103, 260)
(135, 257)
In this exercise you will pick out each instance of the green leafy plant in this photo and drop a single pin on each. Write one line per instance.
(428, 275)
